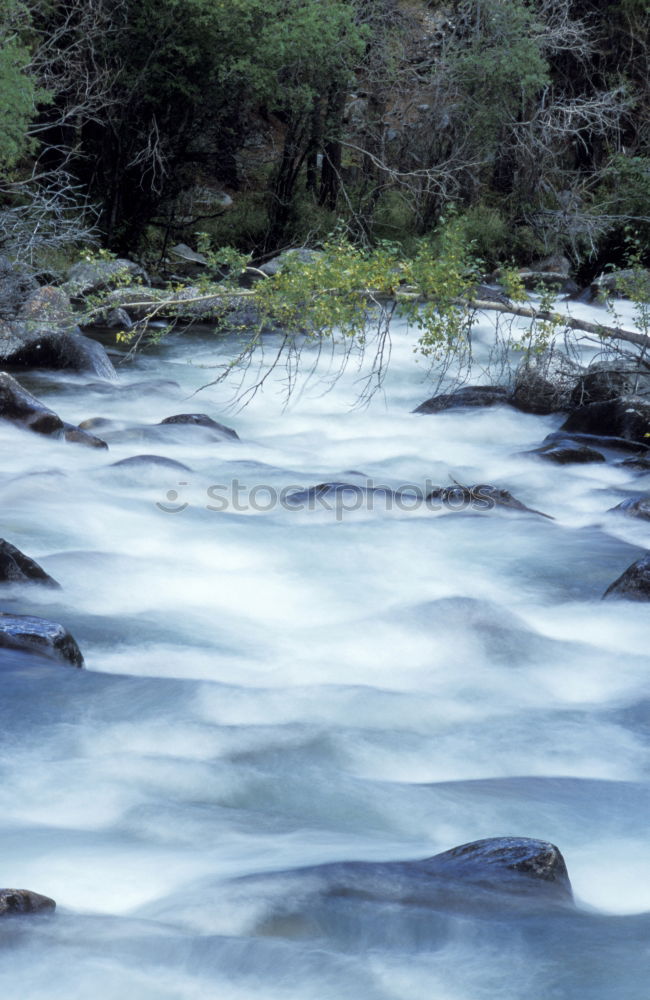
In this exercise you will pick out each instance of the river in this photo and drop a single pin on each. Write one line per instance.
(269, 687)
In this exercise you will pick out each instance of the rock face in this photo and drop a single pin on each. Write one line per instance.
(23, 409)
(470, 395)
(15, 902)
(625, 417)
(544, 383)
(634, 583)
(16, 567)
(201, 420)
(37, 635)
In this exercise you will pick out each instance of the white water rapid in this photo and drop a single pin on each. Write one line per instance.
(273, 688)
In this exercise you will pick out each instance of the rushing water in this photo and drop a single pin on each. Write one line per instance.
(272, 688)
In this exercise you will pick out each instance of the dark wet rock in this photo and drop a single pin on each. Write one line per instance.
(634, 507)
(634, 583)
(325, 496)
(470, 395)
(24, 410)
(481, 497)
(16, 902)
(201, 420)
(567, 453)
(544, 383)
(626, 417)
(16, 285)
(479, 875)
(595, 441)
(141, 461)
(76, 435)
(606, 380)
(37, 635)
(87, 277)
(638, 463)
(16, 567)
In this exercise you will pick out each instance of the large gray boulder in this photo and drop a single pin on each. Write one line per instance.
(44, 335)
(625, 282)
(302, 255)
(40, 636)
(89, 276)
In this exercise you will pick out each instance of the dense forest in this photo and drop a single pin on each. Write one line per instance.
(273, 123)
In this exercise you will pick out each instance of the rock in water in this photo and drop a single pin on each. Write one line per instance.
(20, 407)
(634, 583)
(37, 635)
(634, 507)
(16, 567)
(14, 902)
(626, 417)
(201, 420)
(485, 875)
(469, 395)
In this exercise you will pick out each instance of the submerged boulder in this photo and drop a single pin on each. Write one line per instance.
(15, 902)
(469, 395)
(634, 583)
(485, 875)
(40, 636)
(149, 461)
(567, 452)
(201, 420)
(16, 567)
